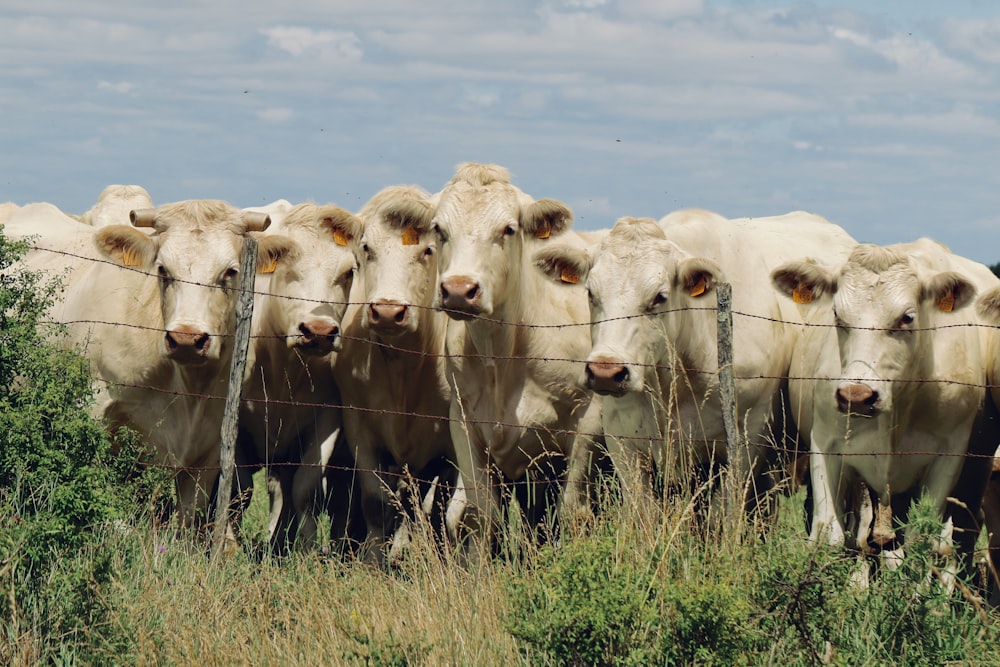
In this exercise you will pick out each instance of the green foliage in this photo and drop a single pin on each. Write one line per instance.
(595, 601)
(57, 489)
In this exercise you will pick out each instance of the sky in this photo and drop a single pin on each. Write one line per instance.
(884, 117)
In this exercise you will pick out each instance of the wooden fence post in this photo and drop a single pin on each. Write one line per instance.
(727, 394)
(230, 420)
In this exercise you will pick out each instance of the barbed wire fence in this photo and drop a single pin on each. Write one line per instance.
(726, 373)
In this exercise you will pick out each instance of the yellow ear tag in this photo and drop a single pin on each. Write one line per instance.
(569, 275)
(802, 293)
(946, 303)
(340, 237)
(130, 257)
(544, 232)
(699, 287)
(411, 236)
(272, 264)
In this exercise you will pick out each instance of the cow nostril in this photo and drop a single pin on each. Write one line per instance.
(621, 375)
(401, 315)
(472, 293)
(871, 400)
(201, 343)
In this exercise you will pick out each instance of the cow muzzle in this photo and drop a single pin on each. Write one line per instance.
(187, 344)
(317, 336)
(858, 399)
(461, 297)
(607, 377)
(389, 318)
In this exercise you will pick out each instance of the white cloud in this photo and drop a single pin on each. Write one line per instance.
(326, 43)
(119, 87)
(278, 115)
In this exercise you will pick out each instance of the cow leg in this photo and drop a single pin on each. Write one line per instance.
(307, 483)
(991, 510)
(378, 500)
(479, 487)
(283, 525)
(632, 437)
(575, 506)
(828, 500)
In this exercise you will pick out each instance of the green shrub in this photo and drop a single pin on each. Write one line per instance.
(61, 487)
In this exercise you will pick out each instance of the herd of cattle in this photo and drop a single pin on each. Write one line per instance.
(472, 338)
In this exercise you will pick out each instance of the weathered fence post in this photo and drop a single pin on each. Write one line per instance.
(727, 394)
(244, 314)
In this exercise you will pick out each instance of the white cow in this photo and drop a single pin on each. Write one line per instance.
(392, 368)
(891, 390)
(114, 205)
(154, 313)
(655, 354)
(514, 344)
(290, 413)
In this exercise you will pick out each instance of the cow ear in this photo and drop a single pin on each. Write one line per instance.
(272, 249)
(697, 276)
(563, 264)
(343, 226)
(804, 281)
(126, 245)
(949, 291)
(545, 217)
(988, 305)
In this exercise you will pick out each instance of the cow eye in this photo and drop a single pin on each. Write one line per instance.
(658, 300)
(162, 272)
(906, 321)
(428, 251)
(365, 248)
(440, 233)
(230, 274)
(509, 230)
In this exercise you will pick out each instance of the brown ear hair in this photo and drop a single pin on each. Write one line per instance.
(804, 281)
(272, 249)
(341, 224)
(545, 217)
(697, 276)
(988, 305)
(563, 264)
(126, 245)
(949, 291)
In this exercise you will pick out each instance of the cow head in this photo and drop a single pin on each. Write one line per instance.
(641, 288)
(309, 261)
(115, 205)
(882, 303)
(194, 252)
(398, 259)
(482, 224)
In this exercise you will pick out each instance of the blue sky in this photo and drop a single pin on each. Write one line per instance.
(883, 117)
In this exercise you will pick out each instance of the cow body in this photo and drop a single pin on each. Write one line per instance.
(890, 388)
(514, 342)
(655, 353)
(392, 369)
(154, 314)
(290, 414)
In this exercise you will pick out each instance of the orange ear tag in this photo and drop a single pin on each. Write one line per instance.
(946, 303)
(545, 231)
(272, 264)
(699, 287)
(411, 236)
(130, 257)
(802, 293)
(569, 275)
(340, 237)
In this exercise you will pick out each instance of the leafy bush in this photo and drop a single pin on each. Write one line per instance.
(596, 601)
(61, 486)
